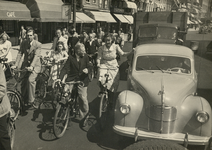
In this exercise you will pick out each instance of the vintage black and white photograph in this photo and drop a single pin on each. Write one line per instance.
(105, 74)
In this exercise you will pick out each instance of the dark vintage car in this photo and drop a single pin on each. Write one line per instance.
(161, 104)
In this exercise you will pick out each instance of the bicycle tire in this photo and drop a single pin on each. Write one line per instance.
(56, 93)
(61, 114)
(11, 132)
(103, 111)
(15, 102)
(40, 89)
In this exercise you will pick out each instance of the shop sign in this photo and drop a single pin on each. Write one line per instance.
(11, 14)
(118, 10)
(66, 12)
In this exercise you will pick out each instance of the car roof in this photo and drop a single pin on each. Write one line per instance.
(161, 49)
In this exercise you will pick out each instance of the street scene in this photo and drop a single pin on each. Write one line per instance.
(105, 74)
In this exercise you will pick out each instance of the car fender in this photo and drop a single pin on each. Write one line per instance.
(135, 102)
(187, 120)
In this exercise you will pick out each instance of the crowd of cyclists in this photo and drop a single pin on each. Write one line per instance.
(73, 57)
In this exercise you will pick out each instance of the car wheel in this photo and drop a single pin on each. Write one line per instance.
(156, 145)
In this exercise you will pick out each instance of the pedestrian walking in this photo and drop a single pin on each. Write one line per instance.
(22, 35)
(31, 49)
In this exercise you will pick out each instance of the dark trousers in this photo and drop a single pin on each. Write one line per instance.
(4, 136)
(92, 58)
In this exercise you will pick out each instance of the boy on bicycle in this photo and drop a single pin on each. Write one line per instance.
(76, 68)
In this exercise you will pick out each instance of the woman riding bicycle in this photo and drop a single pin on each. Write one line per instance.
(107, 63)
(58, 58)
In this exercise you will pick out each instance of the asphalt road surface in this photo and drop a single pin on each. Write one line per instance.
(34, 129)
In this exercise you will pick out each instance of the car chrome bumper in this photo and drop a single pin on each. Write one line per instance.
(175, 137)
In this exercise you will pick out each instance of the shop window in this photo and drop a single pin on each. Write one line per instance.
(8, 26)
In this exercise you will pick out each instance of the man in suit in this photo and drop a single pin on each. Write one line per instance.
(72, 40)
(31, 49)
(4, 110)
(60, 38)
(76, 68)
(91, 47)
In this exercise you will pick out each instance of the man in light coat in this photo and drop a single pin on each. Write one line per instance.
(60, 38)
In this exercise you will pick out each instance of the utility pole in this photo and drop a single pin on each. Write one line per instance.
(74, 13)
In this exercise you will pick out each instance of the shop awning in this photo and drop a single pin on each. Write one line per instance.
(101, 16)
(84, 18)
(121, 18)
(14, 11)
(128, 4)
(46, 10)
(129, 18)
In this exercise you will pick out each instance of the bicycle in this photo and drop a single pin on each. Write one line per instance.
(66, 104)
(13, 94)
(11, 128)
(43, 80)
(104, 101)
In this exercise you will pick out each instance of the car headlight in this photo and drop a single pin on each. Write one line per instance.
(202, 116)
(125, 109)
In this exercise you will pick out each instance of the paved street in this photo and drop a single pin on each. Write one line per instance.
(34, 130)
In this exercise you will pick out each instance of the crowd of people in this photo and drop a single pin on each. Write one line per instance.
(75, 53)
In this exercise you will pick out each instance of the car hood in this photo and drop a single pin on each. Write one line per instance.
(176, 87)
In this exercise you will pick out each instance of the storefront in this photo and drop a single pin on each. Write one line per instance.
(11, 15)
(103, 19)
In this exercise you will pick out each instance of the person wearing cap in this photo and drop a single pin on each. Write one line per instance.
(5, 47)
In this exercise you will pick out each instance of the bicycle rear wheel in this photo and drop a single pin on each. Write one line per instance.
(15, 103)
(61, 120)
(103, 113)
(40, 90)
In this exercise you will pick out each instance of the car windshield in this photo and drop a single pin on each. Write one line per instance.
(171, 64)
(167, 33)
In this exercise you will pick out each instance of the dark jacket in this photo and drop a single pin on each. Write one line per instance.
(74, 69)
(91, 49)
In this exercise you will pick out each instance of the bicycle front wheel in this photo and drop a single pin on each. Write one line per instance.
(103, 111)
(15, 103)
(61, 120)
(11, 132)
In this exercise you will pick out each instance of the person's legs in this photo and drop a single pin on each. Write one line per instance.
(95, 64)
(32, 86)
(24, 86)
(4, 136)
(83, 101)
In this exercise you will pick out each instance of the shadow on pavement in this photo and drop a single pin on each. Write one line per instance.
(46, 122)
(106, 139)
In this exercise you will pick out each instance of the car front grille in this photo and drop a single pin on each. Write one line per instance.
(160, 124)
